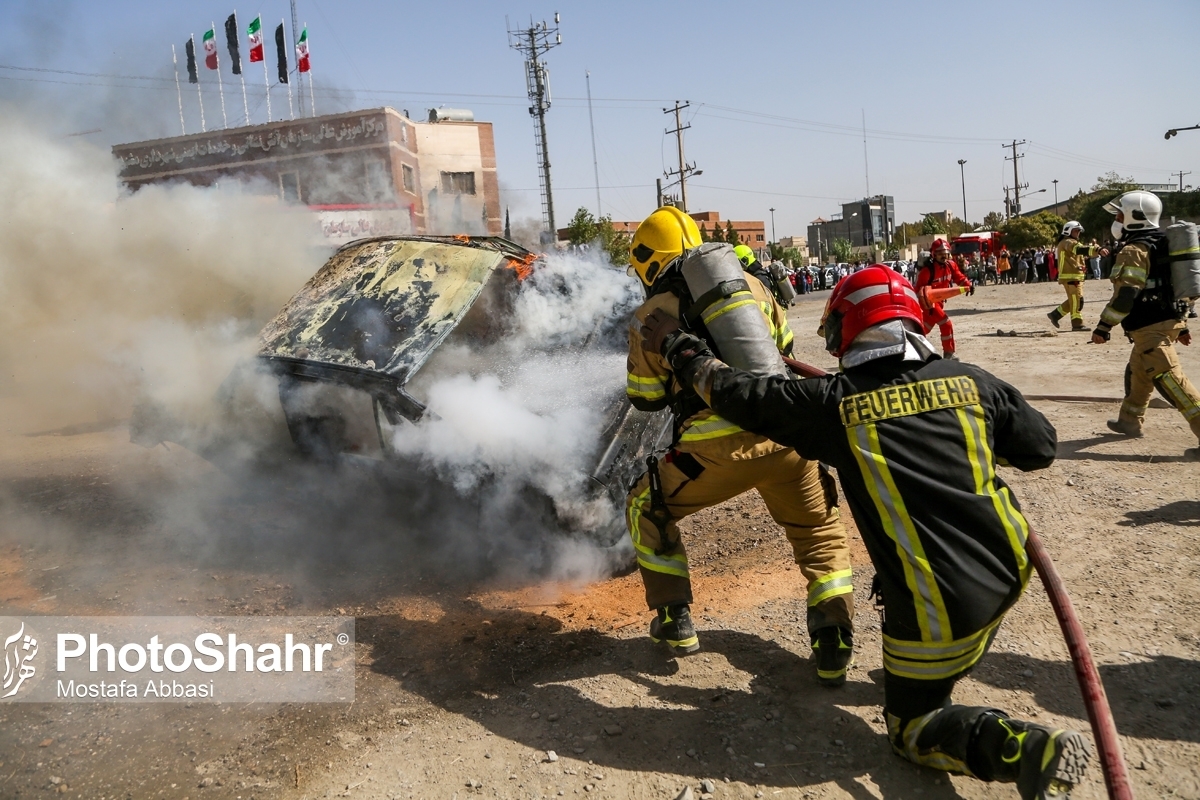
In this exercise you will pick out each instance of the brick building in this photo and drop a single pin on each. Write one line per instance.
(751, 232)
(362, 173)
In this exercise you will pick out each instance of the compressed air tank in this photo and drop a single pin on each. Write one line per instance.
(1183, 244)
(725, 305)
(782, 283)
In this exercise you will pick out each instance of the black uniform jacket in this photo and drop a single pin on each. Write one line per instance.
(916, 446)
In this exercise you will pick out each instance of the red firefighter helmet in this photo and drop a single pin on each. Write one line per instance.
(867, 297)
(938, 244)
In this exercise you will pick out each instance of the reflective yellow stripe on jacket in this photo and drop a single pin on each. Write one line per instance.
(712, 427)
(647, 388)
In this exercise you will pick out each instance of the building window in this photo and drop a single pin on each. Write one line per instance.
(458, 183)
(409, 176)
(289, 186)
(758, 238)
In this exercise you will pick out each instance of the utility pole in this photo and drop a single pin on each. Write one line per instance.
(1055, 182)
(963, 175)
(658, 186)
(773, 239)
(534, 42)
(685, 169)
(1181, 173)
(1017, 187)
(592, 126)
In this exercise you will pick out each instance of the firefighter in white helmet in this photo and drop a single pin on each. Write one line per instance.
(1072, 267)
(1144, 304)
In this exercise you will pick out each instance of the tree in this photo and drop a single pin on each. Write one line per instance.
(731, 235)
(586, 231)
(1040, 230)
(718, 235)
(841, 249)
(704, 237)
(993, 221)
(931, 225)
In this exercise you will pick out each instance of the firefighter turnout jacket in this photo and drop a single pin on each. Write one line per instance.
(940, 276)
(651, 386)
(1072, 258)
(916, 446)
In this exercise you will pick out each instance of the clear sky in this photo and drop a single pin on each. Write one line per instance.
(778, 90)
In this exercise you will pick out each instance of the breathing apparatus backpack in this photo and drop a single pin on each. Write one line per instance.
(1183, 250)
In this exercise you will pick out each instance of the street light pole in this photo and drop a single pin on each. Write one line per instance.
(963, 174)
(1055, 182)
(773, 239)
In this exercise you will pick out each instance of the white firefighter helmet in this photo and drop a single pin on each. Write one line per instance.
(1070, 228)
(1140, 209)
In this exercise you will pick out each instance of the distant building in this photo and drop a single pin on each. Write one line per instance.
(751, 232)
(362, 173)
(798, 243)
(867, 223)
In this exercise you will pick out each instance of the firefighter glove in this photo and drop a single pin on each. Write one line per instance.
(1185, 337)
(657, 327)
(681, 349)
(1101, 334)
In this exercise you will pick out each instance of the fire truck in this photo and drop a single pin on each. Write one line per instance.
(983, 243)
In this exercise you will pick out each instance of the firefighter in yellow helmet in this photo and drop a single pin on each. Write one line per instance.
(1072, 267)
(712, 460)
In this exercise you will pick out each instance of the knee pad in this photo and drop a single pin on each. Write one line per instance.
(1128, 379)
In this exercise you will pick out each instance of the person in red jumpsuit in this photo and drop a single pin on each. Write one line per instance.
(940, 272)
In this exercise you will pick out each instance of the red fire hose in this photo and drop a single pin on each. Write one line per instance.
(1104, 729)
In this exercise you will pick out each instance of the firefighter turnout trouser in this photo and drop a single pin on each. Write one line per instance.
(936, 315)
(1155, 364)
(1073, 305)
(800, 496)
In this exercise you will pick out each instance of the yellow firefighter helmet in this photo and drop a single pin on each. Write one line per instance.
(659, 240)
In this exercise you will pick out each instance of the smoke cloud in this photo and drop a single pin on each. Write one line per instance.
(112, 297)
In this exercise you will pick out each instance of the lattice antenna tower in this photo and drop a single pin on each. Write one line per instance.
(534, 42)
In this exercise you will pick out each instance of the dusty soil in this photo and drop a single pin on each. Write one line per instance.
(464, 683)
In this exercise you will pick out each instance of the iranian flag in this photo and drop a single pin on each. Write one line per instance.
(256, 40)
(302, 51)
(210, 48)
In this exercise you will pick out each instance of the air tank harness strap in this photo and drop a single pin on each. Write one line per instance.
(694, 315)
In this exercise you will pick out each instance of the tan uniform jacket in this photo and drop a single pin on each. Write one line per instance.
(1072, 259)
(650, 384)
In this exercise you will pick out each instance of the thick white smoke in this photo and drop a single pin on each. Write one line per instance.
(530, 409)
(109, 295)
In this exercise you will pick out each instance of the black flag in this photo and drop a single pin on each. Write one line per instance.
(281, 55)
(231, 41)
(190, 48)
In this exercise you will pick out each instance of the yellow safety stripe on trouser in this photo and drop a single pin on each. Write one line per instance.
(671, 565)
(933, 661)
(1073, 305)
(932, 618)
(724, 306)
(831, 585)
(935, 759)
(649, 388)
(711, 428)
(974, 425)
(1186, 405)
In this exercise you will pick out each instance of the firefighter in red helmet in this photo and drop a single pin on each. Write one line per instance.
(915, 440)
(940, 272)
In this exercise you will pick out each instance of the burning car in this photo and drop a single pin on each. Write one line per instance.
(333, 381)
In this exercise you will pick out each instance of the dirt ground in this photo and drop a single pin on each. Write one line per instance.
(463, 685)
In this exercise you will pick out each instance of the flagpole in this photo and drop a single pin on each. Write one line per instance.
(199, 94)
(299, 75)
(178, 91)
(312, 104)
(266, 76)
(220, 83)
(291, 111)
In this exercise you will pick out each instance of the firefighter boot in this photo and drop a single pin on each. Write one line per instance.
(674, 626)
(833, 650)
(1077, 324)
(1054, 317)
(1043, 762)
(1125, 428)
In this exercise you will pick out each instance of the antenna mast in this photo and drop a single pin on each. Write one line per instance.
(534, 42)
